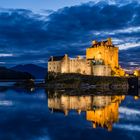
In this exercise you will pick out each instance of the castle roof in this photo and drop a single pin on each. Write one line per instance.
(56, 58)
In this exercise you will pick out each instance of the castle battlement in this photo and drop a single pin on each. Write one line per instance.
(107, 43)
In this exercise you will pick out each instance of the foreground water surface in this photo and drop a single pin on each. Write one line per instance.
(41, 115)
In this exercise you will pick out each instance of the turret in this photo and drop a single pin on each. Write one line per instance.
(51, 58)
(94, 43)
(109, 40)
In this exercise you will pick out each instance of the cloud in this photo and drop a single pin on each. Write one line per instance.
(5, 55)
(6, 103)
(33, 37)
(128, 127)
(2, 62)
(129, 111)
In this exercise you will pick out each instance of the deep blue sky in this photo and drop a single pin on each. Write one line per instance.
(31, 31)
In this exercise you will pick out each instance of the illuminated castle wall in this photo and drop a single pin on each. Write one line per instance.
(137, 72)
(101, 60)
(104, 52)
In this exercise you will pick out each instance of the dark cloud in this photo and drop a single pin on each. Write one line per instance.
(130, 58)
(34, 37)
(19, 28)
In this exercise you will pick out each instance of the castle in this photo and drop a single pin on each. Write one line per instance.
(101, 60)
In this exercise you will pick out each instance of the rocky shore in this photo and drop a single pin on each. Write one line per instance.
(93, 84)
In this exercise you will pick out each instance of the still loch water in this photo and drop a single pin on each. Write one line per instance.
(41, 115)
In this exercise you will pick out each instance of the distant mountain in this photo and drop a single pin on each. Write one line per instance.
(37, 71)
(8, 74)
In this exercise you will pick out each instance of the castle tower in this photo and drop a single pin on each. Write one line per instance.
(104, 51)
(65, 64)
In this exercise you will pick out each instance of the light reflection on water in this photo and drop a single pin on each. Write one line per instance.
(55, 115)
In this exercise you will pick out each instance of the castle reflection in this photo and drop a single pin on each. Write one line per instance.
(101, 111)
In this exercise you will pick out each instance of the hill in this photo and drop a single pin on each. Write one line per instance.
(35, 70)
(8, 74)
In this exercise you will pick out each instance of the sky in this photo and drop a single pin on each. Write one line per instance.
(32, 31)
(37, 5)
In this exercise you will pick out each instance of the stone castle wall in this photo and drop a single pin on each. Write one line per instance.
(78, 65)
(101, 70)
(108, 54)
(54, 66)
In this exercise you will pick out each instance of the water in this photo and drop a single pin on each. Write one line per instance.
(7, 84)
(41, 115)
